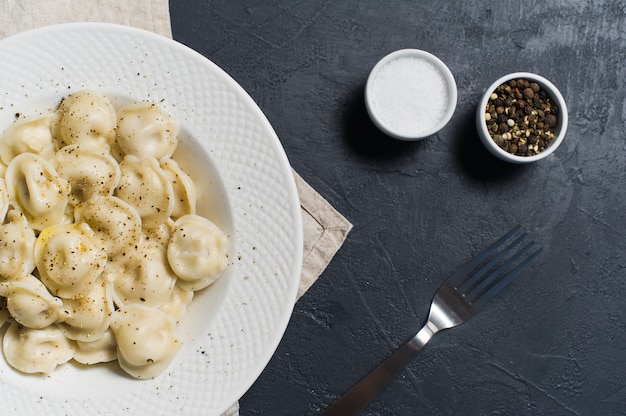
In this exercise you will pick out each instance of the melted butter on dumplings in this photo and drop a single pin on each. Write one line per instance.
(69, 259)
(101, 249)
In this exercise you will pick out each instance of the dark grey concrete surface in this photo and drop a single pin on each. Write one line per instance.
(555, 342)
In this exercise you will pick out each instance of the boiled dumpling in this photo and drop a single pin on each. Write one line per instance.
(144, 278)
(183, 187)
(197, 251)
(101, 350)
(89, 316)
(144, 130)
(30, 303)
(36, 350)
(30, 135)
(87, 118)
(69, 259)
(90, 173)
(37, 190)
(114, 221)
(146, 188)
(145, 340)
(17, 242)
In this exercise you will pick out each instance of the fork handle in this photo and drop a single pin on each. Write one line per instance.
(359, 396)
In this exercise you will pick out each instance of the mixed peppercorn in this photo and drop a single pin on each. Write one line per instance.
(521, 118)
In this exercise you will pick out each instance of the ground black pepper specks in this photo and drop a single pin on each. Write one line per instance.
(521, 118)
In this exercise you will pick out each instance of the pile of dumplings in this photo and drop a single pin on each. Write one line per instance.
(101, 249)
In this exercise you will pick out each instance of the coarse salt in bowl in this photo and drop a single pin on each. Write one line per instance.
(410, 94)
(559, 129)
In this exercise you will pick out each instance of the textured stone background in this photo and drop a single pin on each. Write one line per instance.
(555, 342)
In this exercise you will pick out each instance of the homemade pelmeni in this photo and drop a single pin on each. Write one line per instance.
(410, 94)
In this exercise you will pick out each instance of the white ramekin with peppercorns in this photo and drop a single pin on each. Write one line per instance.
(522, 118)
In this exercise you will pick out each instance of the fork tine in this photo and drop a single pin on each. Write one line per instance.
(475, 277)
(456, 279)
(483, 298)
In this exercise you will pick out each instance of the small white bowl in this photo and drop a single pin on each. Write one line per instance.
(410, 94)
(559, 130)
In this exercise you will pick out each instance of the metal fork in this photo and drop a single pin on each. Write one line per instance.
(457, 300)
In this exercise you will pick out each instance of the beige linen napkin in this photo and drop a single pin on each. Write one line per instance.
(324, 228)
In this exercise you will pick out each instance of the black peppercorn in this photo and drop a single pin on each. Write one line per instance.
(529, 93)
(550, 120)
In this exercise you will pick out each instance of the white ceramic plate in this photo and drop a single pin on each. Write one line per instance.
(246, 186)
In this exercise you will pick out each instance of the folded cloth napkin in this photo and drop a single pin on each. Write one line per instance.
(20, 15)
(325, 229)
